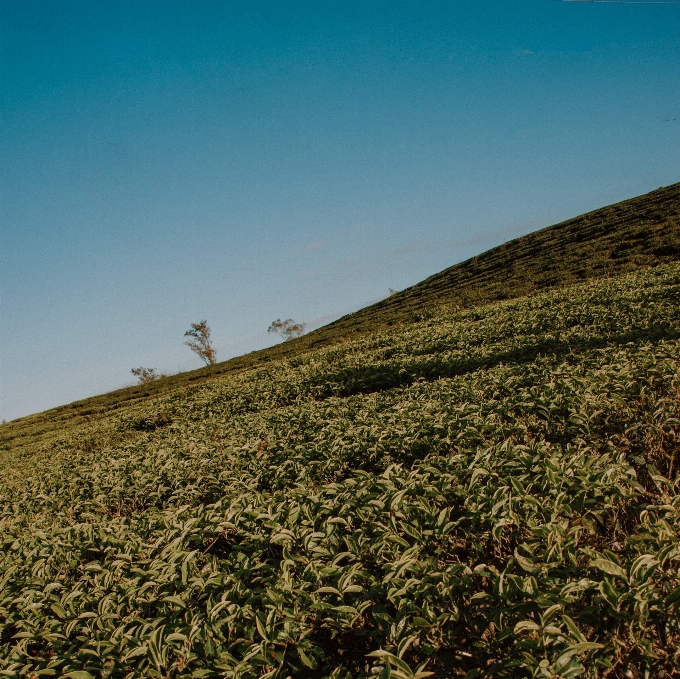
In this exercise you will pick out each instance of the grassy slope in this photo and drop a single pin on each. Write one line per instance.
(494, 483)
(643, 231)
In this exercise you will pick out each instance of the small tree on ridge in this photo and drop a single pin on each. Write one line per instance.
(200, 342)
(145, 375)
(287, 329)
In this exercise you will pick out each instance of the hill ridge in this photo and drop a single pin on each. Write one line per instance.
(637, 232)
(656, 211)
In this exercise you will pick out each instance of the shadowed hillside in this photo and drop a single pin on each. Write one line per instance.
(643, 231)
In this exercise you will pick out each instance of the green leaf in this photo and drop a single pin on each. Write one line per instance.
(261, 628)
(59, 610)
(135, 653)
(526, 626)
(79, 674)
(673, 598)
(573, 628)
(176, 636)
(393, 660)
(352, 589)
(308, 660)
(174, 600)
(476, 474)
(609, 567)
(564, 658)
(609, 594)
(526, 564)
(327, 590)
(645, 561)
(404, 645)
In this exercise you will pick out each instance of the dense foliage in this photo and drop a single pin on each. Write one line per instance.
(492, 492)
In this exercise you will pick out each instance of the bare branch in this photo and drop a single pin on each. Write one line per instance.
(287, 329)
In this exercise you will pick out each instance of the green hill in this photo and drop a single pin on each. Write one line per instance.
(485, 485)
(641, 232)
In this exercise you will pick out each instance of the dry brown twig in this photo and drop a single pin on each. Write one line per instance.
(200, 342)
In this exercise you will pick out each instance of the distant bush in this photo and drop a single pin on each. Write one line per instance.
(145, 375)
(200, 342)
(287, 329)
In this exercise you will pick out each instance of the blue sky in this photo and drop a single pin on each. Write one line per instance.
(166, 162)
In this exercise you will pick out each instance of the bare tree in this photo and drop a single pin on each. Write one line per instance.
(200, 342)
(145, 375)
(287, 329)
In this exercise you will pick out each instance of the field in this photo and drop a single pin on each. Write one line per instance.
(637, 233)
(480, 491)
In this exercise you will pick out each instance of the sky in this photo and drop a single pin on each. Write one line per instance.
(165, 162)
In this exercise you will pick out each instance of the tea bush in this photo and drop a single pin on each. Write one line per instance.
(488, 492)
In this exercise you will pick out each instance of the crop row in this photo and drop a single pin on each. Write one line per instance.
(491, 492)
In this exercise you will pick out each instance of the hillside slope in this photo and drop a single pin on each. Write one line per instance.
(643, 231)
(491, 491)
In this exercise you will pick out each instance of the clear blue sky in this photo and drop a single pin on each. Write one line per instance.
(166, 162)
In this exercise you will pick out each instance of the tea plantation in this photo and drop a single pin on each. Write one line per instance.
(481, 492)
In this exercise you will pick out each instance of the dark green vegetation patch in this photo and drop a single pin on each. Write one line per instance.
(490, 491)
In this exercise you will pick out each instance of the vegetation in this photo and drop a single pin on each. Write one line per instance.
(439, 483)
(634, 234)
(491, 491)
(145, 375)
(200, 342)
(287, 329)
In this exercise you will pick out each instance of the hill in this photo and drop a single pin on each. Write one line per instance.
(490, 489)
(643, 231)
(640, 232)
